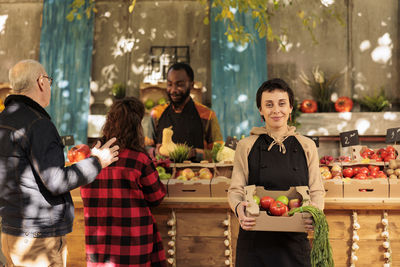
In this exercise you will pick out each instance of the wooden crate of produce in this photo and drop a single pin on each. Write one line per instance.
(224, 169)
(371, 188)
(189, 180)
(180, 188)
(394, 188)
(265, 222)
(219, 186)
(333, 188)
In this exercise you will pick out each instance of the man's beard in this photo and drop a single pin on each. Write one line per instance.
(181, 100)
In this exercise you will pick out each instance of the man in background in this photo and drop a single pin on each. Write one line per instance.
(35, 204)
(192, 123)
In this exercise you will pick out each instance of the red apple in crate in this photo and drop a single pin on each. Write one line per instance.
(78, 153)
(326, 175)
(188, 173)
(336, 168)
(206, 175)
(294, 203)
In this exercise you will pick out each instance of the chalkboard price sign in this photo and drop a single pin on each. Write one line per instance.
(231, 142)
(315, 139)
(68, 140)
(349, 138)
(392, 135)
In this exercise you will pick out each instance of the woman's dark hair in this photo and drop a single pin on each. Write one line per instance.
(271, 85)
(124, 121)
(185, 67)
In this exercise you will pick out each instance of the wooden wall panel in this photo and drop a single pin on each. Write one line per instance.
(76, 242)
(197, 251)
(202, 223)
(200, 238)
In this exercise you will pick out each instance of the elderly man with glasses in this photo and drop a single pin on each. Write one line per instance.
(35, 204)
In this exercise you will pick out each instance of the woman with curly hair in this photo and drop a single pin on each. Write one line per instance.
(119, 227)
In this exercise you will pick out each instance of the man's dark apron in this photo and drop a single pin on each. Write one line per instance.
(186, 125)
(275, 171)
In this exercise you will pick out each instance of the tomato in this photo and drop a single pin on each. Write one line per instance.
(383, 153)
(278, 208)
(78, 153)
(390, 149)
(373, 168)
(266, 202)
(364, 155)
(381, 174)
(308, 106)
(343, 104)
(356, 170)
(375, 157)
(364, 170)
(348, 172)
(373, 173)
(360, 176)
(389, 157)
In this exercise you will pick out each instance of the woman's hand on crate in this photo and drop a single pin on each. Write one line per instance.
(245, 222)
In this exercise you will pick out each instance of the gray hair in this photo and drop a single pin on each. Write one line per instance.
(23, 76)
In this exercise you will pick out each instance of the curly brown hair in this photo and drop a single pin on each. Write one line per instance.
(124, 121)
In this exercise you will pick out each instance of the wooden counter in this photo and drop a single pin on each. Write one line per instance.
(200, 232)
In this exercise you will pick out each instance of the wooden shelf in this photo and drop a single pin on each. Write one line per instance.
(222, 203)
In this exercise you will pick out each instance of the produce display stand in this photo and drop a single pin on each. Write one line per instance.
(198, 227)
(200, 231)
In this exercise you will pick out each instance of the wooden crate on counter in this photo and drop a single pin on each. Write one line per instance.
(224, 169)
(196, 187)
(370, 188)
(394, 188)
(219, 186)
(333, 188)
(180, 188)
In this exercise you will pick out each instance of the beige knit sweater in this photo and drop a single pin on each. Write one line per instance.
(240, 172)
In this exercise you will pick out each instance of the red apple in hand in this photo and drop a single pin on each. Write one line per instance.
(294, 203)
(78, 153)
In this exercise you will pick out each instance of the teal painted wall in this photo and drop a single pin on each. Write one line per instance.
(66, 54)
(236, 74)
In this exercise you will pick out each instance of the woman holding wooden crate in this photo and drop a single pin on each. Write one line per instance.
(277, 157)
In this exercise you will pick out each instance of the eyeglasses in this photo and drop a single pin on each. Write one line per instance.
(48, 78)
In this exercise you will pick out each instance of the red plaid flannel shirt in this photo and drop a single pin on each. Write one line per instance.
(119, 227)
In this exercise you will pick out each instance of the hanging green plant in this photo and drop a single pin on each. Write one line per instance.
(261, 11)
(322, 88)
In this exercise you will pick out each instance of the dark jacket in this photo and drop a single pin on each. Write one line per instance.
(34, 184)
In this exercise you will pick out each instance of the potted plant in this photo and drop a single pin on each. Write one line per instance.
(376, 102)
(118, 90)
(321, 88)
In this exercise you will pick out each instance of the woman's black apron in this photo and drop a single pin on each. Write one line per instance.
(275, 171)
